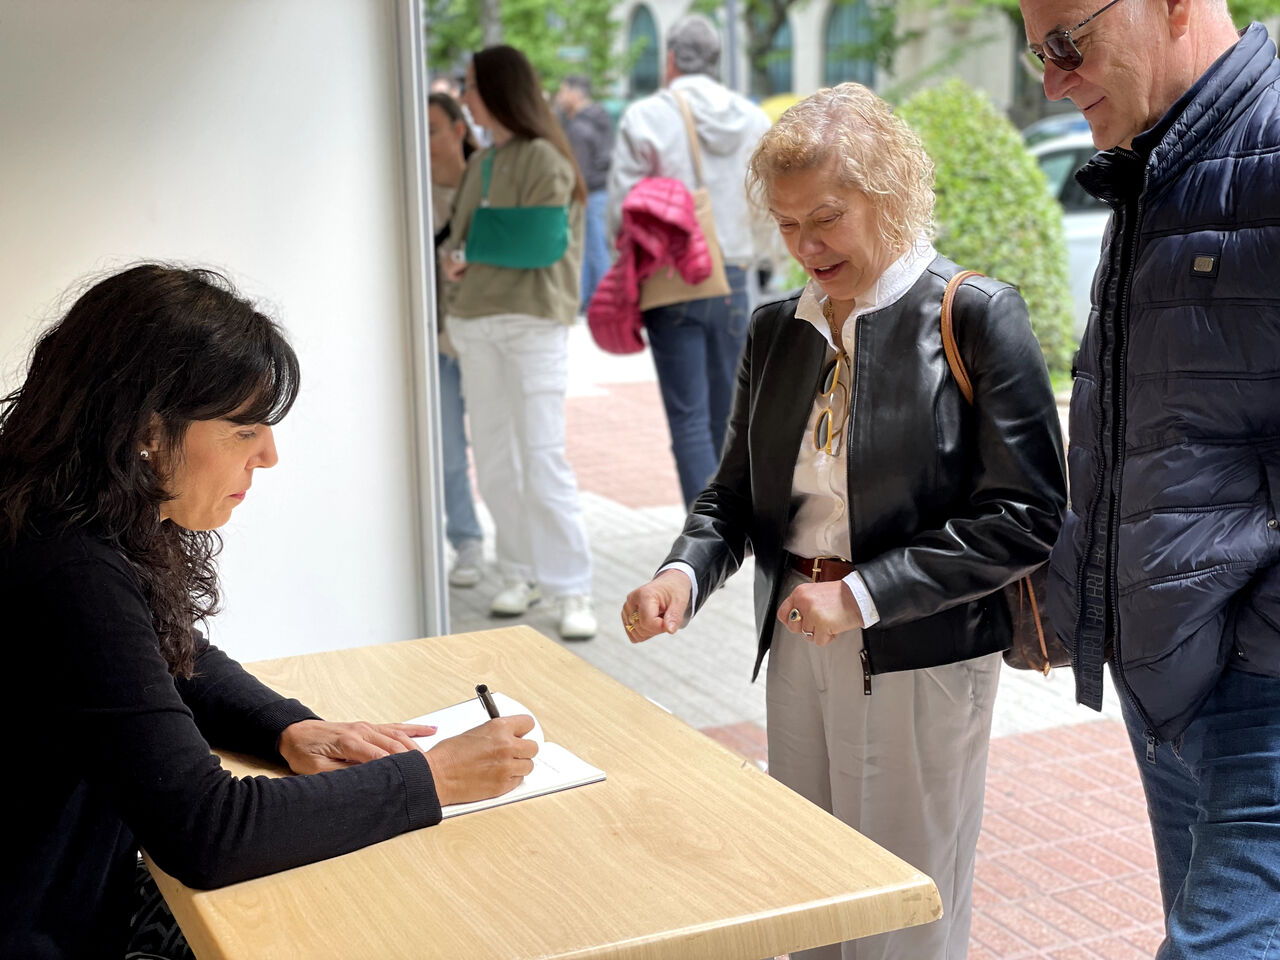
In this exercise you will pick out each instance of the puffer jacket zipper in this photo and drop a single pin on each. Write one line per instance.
(1119, 370)
(1114, 265)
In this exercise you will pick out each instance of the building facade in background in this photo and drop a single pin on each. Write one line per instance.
(813, 50)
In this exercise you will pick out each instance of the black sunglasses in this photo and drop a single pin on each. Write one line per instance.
(1058, 47)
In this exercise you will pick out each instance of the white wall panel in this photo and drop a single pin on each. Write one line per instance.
(262, 138)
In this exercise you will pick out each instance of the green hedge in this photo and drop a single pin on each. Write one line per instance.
(994, 210)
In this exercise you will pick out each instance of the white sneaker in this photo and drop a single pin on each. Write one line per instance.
(577, 620)
(516, 597)
(468, 565)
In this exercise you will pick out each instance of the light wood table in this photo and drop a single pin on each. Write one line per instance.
(686, 851)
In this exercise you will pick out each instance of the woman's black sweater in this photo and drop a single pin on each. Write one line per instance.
(108, 752)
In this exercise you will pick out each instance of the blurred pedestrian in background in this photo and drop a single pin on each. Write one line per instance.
(450, 144)
(512, 261)
(449, 86)
(696, 344)
(452, 84)
(590, 133)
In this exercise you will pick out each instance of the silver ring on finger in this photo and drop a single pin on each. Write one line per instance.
(808, 633)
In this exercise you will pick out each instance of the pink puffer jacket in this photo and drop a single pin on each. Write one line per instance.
(659, 228)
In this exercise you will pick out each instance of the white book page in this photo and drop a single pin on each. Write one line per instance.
(554, 767)
(470, 714)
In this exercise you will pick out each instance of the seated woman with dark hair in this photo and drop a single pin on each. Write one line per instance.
(143, 416)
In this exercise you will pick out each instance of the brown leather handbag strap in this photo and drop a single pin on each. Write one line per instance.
(949, 346)
(1025, 586)
(1026, 590)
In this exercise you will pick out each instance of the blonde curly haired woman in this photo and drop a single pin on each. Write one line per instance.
(884, 511)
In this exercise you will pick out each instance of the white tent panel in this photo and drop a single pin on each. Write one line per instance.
(266, 140)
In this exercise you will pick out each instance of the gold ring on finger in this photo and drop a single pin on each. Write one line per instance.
(794, 615)
(634, 617)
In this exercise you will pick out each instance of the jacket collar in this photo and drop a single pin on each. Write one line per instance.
(889, 287)
(1213, 101)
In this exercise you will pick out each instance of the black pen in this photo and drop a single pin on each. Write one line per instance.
(482, 691)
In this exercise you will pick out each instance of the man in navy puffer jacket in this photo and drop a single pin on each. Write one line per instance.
(1167, 564)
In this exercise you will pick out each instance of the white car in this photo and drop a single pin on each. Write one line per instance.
(1084, 218)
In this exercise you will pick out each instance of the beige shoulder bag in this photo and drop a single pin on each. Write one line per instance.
(665, 286)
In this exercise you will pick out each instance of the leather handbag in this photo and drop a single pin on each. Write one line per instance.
(665, 286)
(521, 238)
(1035, 643)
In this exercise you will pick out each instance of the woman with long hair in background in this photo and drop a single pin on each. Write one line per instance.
(510, 302)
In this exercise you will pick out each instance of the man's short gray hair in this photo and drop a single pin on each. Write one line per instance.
(694, 42)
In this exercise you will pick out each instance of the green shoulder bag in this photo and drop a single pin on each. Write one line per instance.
(522, 238)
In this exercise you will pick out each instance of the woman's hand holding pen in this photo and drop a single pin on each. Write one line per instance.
(484, 762)
(313, 746)
(819, 611)
(657, 607)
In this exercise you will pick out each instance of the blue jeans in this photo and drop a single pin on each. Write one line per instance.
(459, 510)
(595, 246)
(1213, 796)
(696, 349)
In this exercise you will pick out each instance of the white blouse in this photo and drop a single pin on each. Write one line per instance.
(819, 524)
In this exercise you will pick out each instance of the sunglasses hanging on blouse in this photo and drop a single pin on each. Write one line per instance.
(834, 394)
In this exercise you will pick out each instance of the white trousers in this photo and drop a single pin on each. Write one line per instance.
(905, 767)
(515, 372)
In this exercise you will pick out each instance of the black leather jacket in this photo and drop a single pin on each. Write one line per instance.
(947, 502)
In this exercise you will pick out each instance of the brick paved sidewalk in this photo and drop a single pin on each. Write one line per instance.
(1066, 868)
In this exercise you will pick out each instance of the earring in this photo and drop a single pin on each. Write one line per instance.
(145, 454)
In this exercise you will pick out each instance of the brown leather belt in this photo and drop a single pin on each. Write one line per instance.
(822, 569)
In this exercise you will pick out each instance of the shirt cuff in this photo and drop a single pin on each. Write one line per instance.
(693, 587)
(862, 597)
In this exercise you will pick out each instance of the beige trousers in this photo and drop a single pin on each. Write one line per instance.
(905, 767)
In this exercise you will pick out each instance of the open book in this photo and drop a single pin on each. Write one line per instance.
(554, 768)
